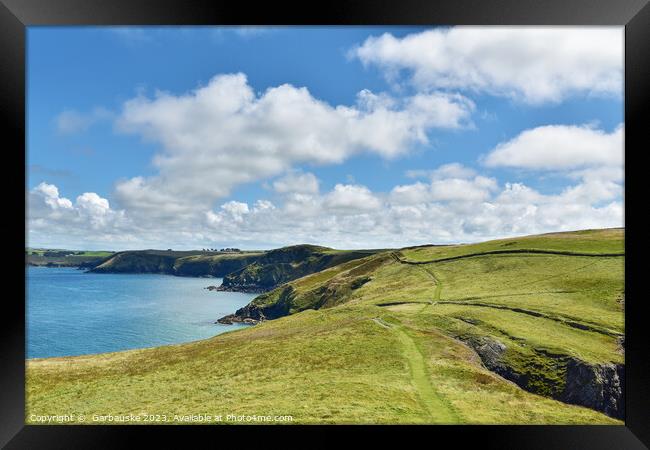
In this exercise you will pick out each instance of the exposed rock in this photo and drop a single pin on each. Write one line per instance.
(356, 284)
(232, 318)
(227, 320)
(256, 312)
(248, 289)
(599, 386)
(596, 386)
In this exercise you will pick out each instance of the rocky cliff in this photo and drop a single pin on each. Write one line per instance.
(596, 386)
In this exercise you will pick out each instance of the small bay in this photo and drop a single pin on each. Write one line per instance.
(70, 312)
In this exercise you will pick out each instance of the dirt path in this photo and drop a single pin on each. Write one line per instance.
(433, 403)
(436, 281)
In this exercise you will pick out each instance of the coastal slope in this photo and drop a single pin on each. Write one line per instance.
(188, 263)
(285, 264)
(407, 336)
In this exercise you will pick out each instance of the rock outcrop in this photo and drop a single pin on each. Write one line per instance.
(596, 386)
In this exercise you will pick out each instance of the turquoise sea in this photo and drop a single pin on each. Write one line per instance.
(70, 312)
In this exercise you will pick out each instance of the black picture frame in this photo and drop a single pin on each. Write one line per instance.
(16, 15)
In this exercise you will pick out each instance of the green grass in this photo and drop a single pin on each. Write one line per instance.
(62, 257)
(587, 241)
(385, 345)
(330, 366)
(97, 253)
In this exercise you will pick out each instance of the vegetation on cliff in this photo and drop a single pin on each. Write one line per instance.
(182, 263)
(64, 258)
(286, 264)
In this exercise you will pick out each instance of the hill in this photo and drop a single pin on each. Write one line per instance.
(285, 264)
(542, 311)
(64, 258)
(241, 271)
(188, 263)
(453, 334)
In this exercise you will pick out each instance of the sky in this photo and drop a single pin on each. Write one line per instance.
(350, 137)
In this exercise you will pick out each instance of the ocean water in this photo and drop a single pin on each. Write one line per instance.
(70, 312)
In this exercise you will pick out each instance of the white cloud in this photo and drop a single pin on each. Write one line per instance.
(452, 170)
(236, 210)
(560, 147)
(533, 64)
(48, 195)
(351, 199)
(449, 182)
(263, 205)
(462, 206)
(224, 134)
(55, 219)
(71, 121)
(305, 183)
(457, 189)
(411, 193)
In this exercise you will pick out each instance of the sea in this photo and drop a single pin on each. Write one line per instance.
(72, 312)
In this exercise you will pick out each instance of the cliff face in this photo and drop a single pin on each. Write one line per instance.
(599, 387)
(258, 311)
(596, 386)
(280, 266)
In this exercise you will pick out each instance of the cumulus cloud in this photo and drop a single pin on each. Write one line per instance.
(236, 210)
(535, 65)
(224, 134)
(54, 219)
(351, 199)
(48, 195)
(456, 204)
(449, 182)
(305, 183)
(560, 147)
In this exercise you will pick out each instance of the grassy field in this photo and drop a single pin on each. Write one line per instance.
(377, 340)
(60, 257)
(585, 241)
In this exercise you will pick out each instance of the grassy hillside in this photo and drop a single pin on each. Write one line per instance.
(608, 241)
(64, 258)
(186, 263)
(241, 271)
(496, 338)
(286, 264)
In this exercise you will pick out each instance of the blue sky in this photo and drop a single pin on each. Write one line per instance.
(84, 139)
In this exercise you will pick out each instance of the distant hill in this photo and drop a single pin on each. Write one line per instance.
(241, 272)
(64, 258)
(196, 264)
